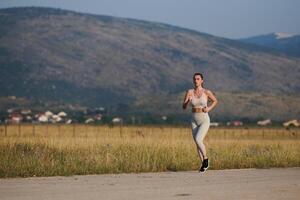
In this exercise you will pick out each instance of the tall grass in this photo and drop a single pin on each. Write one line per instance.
(49, 150)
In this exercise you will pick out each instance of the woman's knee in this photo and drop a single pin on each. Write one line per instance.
(199, 140)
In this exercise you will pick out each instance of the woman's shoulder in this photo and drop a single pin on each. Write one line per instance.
(207, 91)
(189, 90)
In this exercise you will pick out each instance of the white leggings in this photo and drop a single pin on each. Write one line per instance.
(200, 124)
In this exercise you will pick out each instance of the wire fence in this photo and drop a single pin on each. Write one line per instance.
(85, 130)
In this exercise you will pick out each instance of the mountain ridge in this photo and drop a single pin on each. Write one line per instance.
(67, 56)
(286, 43)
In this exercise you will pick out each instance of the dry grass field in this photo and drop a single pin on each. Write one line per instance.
(49, 150)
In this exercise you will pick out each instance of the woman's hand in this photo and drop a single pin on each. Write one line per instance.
(187, 99)
(205, 109)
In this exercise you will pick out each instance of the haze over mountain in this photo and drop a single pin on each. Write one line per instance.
(283, 42)
(52, 55)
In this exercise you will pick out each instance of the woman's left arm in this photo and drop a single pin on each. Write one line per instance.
(214, 100)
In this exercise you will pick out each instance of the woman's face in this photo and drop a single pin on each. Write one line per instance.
(198, 80)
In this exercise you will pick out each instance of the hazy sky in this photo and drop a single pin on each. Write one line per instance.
(226, 18)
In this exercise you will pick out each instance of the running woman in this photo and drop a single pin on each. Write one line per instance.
(200, 122)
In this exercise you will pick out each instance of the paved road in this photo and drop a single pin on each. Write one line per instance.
(239, 184)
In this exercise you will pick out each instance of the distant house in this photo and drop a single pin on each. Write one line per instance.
(12, 97)
(62, 114)
(28, 118)
(100, 108)
(264, 122)
(48, 113)
(10, 110)
(116, 120)
(214, 124)
(25, 111)
(235, 123)
(16, 118)
(293, 122)
(56, 118)
(164, 118)
(98, 117)
(89, 120)
(41, 117)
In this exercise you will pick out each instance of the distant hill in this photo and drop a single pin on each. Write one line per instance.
(54, 56)
(283, 42)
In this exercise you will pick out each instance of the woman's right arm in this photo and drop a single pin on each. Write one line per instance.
(186, 99)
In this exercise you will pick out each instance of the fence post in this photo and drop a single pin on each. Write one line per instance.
(33, 129)
(98, 130)
(86, 129)
(121, 131)
(248, 131)
(58, 129)
(5, 129)
(74, 130)
(19, 129)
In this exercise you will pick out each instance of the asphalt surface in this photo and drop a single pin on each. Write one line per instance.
(275, 183)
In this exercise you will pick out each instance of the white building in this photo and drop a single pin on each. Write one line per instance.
(56, 118)
(89, 120)
(16, 118)
(62, 114)
(264, 122)
(48, 113)
(42, 118)
(117, 120)
(293, 122)
(214, 123)
(164, 118)
(25, 111)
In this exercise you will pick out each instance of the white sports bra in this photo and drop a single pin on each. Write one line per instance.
(199, 102)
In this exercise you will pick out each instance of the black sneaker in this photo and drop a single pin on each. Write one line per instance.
(204, 166)
(202, 169)
(205, 163)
